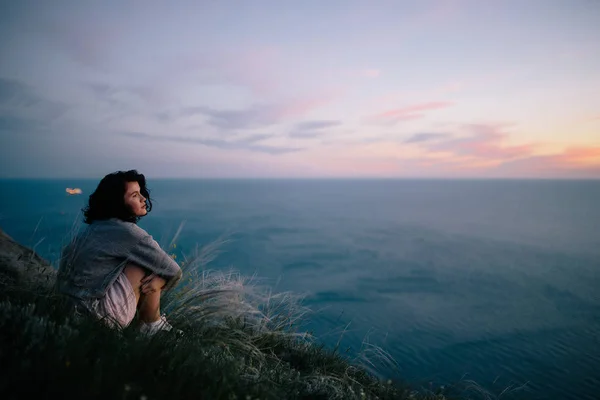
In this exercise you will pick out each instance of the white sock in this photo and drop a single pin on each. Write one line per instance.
(154, 323)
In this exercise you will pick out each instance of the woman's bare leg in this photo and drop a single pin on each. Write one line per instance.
(149, 307)
(148, 304)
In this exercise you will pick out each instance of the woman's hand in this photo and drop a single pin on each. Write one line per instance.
(152, 283)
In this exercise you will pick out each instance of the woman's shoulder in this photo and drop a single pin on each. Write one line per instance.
(126, 228)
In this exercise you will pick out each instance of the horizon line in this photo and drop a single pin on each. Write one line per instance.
(327, 178)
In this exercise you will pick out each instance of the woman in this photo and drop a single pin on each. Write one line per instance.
(113, 267)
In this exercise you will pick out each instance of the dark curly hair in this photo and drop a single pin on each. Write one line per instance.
(108, 201)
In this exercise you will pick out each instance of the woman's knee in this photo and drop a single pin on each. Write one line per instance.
(134, 274)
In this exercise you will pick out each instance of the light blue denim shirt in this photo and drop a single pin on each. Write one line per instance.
(93, 260)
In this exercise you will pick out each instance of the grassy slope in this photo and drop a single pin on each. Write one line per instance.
(239, 343)
(51, 353)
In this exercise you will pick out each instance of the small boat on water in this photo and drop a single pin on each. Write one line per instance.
(73, 191)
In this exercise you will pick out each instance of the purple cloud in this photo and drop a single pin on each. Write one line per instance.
(248, 143)
(300, 134)
(425, 137)
(312, 129)
(20, 101)
(317, 124)
(116, 95)
(256, 116)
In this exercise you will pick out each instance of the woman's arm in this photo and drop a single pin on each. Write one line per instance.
(149, 255)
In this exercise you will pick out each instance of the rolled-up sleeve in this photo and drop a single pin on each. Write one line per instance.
(148, 254)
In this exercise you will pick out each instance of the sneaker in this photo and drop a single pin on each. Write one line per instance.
(150, 329)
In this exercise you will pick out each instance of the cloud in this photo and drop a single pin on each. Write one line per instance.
(317, 124)
(484, 141)
(118, 95)
(393, 116)
(16, 94)
(575, 162)
(312, 129)
(21, 106)
(18, 126)
(481, 150)
(248, 143)
(256, 116)
(300, 134)
(425, 137)
(582, 154)
(258, 137)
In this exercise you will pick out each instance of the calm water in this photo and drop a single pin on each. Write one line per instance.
(494, 281)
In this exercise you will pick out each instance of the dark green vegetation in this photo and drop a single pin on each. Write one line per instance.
(238, 343)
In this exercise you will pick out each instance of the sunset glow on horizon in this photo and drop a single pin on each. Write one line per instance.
(415, 89)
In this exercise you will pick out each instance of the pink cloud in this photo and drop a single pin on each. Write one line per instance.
(483, 152)
(393, 116)
(580, 155)
(548, 166)
(484, 141)
(579, 162)
(587, 153)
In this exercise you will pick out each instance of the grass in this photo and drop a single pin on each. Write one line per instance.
(240, 342)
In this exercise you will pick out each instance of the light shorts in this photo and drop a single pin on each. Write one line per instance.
(119, 305)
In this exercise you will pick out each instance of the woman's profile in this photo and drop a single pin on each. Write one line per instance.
(114, 268)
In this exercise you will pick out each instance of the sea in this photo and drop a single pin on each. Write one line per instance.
(485, 285)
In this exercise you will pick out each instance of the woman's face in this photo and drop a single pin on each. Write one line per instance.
(134, 199)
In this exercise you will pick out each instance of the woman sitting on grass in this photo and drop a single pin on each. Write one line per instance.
(113, 267)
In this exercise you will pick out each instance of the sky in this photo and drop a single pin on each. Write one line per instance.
(300, 89)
